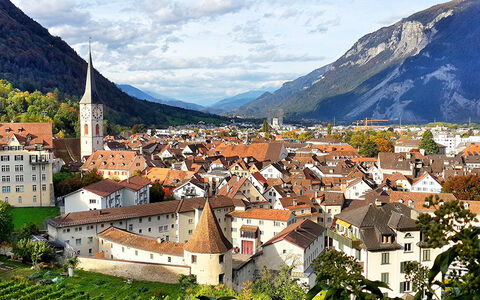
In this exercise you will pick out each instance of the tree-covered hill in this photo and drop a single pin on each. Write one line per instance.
(32, 59)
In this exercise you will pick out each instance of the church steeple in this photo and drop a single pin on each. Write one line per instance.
(90, 96)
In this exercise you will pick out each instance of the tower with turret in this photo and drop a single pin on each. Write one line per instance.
(91, 115)
(208, 252)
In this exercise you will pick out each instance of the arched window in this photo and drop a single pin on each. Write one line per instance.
(86, 129)
(97, 129)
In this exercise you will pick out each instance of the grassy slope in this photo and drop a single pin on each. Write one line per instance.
(37, 215)
(99, 285)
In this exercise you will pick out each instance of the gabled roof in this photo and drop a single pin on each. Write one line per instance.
(104, 187)
(263, 214)
(27, 134)
(136, 241)
(301, 234)
(208, 236)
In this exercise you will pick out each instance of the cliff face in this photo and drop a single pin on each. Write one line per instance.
(419, 69)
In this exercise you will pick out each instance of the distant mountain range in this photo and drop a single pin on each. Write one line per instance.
(223, 106)
(153, 97)
(32, 59)
(423, 68)
(229, 104)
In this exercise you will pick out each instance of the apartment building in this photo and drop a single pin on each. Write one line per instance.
(383, 237)
(115, 164)
(26, 160)
(251, 228)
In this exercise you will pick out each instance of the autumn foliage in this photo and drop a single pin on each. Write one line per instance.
(464, 187)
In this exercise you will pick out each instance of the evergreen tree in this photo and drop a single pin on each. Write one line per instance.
(329, 129)
(428, 144)
(369, 148)
(265, 127)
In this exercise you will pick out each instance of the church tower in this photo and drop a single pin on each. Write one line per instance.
(91, 115)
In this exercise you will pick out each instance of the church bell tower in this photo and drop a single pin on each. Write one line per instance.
(91, 115)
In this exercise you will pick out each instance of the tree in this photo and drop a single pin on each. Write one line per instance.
(369, 149)
(384, 145)
(28, 230)
(139, 128)
(329, 129)
(91, 176)
(305, 136)
(157, 193)
(451, 224)
(265, 127)
(340, 277)
(278, 286)
(40, 252)
(417, 274)
(428, 144)
(463, 187)
(6, 221)
(357, 140)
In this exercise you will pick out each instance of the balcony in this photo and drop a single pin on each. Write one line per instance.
(38, 160)
(351, 243)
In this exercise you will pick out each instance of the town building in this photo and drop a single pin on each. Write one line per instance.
(115, 164)
(26, 162)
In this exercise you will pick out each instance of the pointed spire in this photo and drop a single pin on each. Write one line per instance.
(90, 96)
(208, 236)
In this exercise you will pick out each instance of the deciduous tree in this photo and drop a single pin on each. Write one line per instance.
(463, 187)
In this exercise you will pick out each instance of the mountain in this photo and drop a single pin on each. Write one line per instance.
(229, 104)
(425, 67)
(149, 96)
(32, 59)
(265, 101)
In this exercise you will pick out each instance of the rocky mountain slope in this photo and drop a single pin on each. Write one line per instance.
(142, 95)
(32, 59)
(425, 67)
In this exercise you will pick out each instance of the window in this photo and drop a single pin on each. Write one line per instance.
(6, 178)
(407, 247)
(404, 286)
(169, 259)
(284, 251)
(34, 177)
(34, 199)
(78, 242)
(34, 168)
(136, 252)
(221, 258)
(426, 255)
(402, 266)
(260, 222)
(93, 201)
(130, 227)
(190, 221)
(151, 255)
(97, 130)
(220, 278)
(123, 249)
(90, 239)
(385, 258)
(19, 188)
(18, 168)
(85, 129)
(18, 157)
(19, 178)
(5, 168)
(139, 220)
(5, 158)
(190, 231)
(19, 199)
(385, 277)
(44, 177)
(44, 187)
(194, 259)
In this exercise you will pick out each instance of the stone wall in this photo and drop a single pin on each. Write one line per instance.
(135, 270)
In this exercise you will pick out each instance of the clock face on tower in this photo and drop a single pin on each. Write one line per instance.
(96, 113)
(85, 112)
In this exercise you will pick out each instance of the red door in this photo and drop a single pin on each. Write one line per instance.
(247, 247)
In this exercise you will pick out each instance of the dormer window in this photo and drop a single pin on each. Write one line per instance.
(104, 163)
(410, 203)
(121, 156)
(387, 239)
(92, 163)
(400, 201)
(100, 156)
(112, 163)
(111, 155)
(466, 205)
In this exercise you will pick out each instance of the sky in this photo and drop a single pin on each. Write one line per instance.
(204, 50)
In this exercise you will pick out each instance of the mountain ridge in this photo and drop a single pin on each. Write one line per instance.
(32, 59)
(424, 60)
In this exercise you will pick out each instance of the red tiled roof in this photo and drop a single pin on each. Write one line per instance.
(263, 214)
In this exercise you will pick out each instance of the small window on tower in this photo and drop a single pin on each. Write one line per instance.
(97, 129)
(86, 129)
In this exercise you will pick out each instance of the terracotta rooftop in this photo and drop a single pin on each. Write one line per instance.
(112, 160)
(301, 234)
(207, 236)
(104, 187)
(263, 214)
(133, 240)
(28, 134)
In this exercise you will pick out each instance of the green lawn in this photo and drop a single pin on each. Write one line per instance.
(37, 215)
(97, 285)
